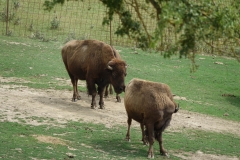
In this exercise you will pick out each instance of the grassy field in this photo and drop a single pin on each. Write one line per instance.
(88, 141)
(212, 90)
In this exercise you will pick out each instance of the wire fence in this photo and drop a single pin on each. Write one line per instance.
(73, 20)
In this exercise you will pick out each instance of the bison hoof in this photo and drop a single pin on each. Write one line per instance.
(150, 155)
(102, 107)
(165, 154)
(145, 143)
(118, 99)
(128, 139)
(74, 100)
(93, 107)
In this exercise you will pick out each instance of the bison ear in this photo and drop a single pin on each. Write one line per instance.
(109, 65)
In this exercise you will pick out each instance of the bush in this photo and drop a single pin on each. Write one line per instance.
(55, 23)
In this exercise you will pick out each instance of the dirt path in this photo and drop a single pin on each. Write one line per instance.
(19, 102)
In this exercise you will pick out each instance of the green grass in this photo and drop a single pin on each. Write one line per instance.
(41, 63)
(202, 89)
(89, 141)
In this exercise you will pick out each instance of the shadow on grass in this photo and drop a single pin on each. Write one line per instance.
(232, 99)
(120, 148)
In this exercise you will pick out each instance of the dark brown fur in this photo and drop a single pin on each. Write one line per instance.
(152, 105)
(109, 86)
(93, 61)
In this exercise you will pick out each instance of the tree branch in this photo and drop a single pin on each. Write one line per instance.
(157, 7)
(141, 19)
(209, 44)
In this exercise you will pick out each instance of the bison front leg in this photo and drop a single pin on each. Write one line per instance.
(76, 95)
(118, 98)
(93, 104)
(92, 91)
(100, 92)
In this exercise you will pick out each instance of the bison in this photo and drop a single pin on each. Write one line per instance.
(152, 105)
(95, 62)
(117, 55)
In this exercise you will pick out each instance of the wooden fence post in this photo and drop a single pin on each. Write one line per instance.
(7, 17)
(110, 33)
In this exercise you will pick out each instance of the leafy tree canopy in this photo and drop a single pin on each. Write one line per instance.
(193, 22)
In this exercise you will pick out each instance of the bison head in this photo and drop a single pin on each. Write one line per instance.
(117, 69)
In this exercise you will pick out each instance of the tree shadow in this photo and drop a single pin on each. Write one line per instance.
(119, 148)
(232, 99)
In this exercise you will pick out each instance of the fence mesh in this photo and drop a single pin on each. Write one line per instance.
(73, 20)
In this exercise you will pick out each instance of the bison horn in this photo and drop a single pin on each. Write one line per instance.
(109, 67)
(110, 63)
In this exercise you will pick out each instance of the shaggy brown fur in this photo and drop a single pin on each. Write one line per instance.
(95, 62)
(117, 55)
(152, 105)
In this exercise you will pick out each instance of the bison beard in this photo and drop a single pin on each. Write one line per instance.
(95, 62)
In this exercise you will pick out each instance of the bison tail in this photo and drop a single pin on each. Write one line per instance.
(176, 109)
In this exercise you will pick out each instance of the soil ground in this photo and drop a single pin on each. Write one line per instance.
(19, 102)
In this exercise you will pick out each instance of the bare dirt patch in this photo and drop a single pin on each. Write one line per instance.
(50, 139)
(20, 102)
(202, 156)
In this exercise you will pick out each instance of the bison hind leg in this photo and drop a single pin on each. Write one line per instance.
(129, 121)
(76, 95)
(106, 91)
(111, 89)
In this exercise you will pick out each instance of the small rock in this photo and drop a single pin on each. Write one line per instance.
(226, 114)
(70, 155)
(218, 63)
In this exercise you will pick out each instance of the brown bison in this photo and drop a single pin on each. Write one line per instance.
(117, 55)
(152, 105)
(95, 62)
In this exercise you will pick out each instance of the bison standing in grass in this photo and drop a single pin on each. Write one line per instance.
(95, 62)
(152, 105)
